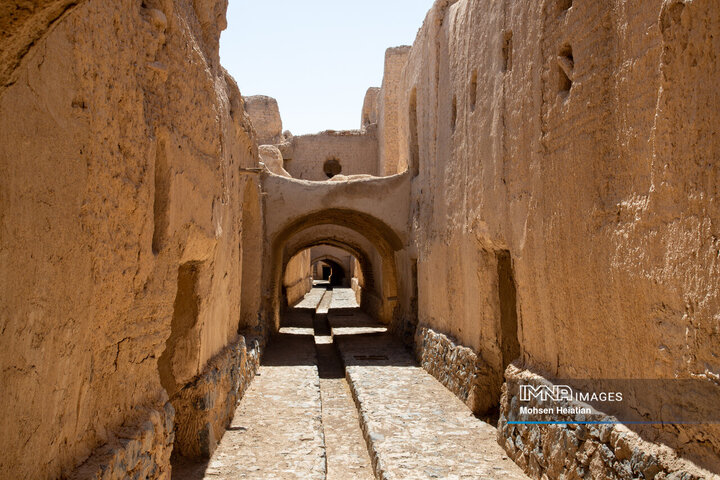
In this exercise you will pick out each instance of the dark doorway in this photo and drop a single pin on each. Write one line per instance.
(326, 272)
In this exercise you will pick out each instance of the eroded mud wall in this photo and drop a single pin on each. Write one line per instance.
(569, 146)
(121, 140)
(353, 151)
(389, 111)
(297, 279)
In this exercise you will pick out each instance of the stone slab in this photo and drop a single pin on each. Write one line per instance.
(415, 427)
(277, 429)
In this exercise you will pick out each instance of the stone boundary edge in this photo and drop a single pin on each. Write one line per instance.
(193, 421)
(460, 369)
(571, 450)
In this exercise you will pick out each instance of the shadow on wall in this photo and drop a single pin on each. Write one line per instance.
(509, 342)
(475, 379)
(185, 316)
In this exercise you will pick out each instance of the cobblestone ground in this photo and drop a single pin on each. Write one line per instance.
(298, 419)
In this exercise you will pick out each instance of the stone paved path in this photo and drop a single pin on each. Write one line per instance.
(298, 419)
(347, 453)
(416, 428)
(277, 429)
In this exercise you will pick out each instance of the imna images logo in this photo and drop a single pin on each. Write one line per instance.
(558, 393)
(545, 392)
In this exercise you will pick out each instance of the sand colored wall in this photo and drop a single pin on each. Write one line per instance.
(265, 116)
(297, 279)
(356, 150)
(369, 113)
(121, 221)
(389, 112)
(579, 141)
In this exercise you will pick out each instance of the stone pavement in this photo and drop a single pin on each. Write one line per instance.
(277, 429)
(299, 418)
(415, 427)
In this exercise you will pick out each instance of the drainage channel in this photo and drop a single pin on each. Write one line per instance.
(346, 451)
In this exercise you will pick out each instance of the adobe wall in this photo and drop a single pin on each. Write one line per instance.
(297, 280)
(369, 114)
(389, 112)
(566, 183)
(264, 114)
(121, 247)
(355, 150)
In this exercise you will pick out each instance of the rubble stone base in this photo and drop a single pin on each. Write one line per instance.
(459, 368)
(191, 423)
(579, 451)
(137, 452)
(206, 405)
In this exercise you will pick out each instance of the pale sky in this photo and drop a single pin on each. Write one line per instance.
(316, 57)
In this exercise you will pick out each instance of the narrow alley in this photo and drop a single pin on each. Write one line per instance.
(335, 395)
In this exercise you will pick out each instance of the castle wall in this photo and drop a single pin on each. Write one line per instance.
(369, 114)
(389, 111)
(297, 279)
(355, 150)
(121, 220)
(265, 116)
(565, 184)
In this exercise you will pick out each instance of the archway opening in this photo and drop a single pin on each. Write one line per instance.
(322, 266)
(371, 241)
(329, 272)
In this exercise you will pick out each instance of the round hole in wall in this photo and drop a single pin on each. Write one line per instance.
(332, 167)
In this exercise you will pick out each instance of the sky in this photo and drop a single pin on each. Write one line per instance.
(316, 57)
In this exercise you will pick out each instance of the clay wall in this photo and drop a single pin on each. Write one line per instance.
(389, 112)
(122, 218)
(265, 116)
(369, 113)
(297, 280)
(566, 193)
(356, 151)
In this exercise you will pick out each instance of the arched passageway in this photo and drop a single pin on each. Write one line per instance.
(371, 242)
(331, 271)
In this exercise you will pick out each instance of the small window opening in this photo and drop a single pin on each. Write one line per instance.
(332, 167)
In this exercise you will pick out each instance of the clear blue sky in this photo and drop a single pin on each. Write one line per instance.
(317, 57)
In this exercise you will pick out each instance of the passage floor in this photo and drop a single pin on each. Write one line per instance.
(310, 415)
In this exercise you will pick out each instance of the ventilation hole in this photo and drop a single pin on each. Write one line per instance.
(473, 90)
(507, 51)
(564, 5)
(453, 118)
(332, 167)
(566, 65)
(413, 123)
